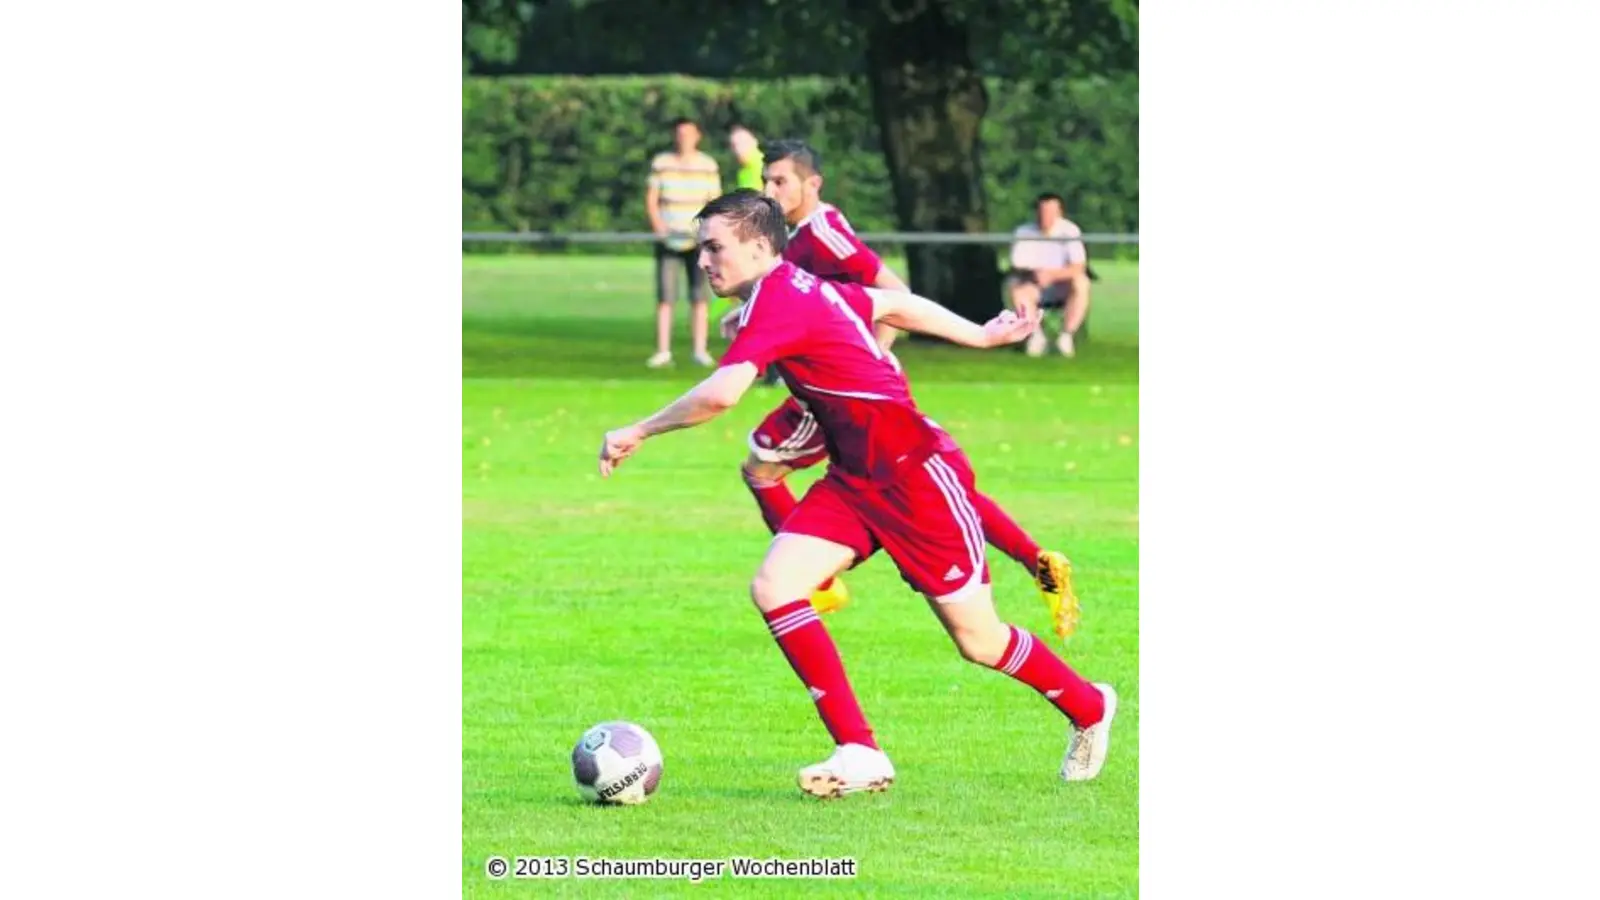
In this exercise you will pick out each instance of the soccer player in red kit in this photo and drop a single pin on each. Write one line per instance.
(895, 482)
(822, 242)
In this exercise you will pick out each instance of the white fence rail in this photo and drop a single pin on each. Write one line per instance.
(879, 237)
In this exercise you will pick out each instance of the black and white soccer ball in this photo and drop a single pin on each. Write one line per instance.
(617, 762)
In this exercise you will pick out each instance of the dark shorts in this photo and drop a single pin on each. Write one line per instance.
(668, 264)
(1052, 297)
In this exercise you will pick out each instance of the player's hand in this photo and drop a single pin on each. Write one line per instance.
(729, 325)
(1009, 328)
(617, 446)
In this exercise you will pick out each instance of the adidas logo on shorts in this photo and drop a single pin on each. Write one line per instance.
(816, 693)
(954, 573)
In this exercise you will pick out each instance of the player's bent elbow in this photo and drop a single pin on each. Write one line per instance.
(719, 396)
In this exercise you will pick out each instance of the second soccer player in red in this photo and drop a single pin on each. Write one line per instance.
(823, 243)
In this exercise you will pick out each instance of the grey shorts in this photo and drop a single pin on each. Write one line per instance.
(668, 264)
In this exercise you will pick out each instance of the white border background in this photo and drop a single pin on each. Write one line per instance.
(230, 649)
(1368, 313)
(229, 604)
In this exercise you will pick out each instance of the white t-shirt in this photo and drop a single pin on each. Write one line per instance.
(1036, 254)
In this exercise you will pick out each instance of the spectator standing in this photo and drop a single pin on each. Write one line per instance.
(681, 181)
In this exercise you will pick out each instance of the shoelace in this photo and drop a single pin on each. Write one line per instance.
(1085, 746)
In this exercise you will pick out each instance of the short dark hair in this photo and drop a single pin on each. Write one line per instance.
(806, 158)
(683, 120)
(752, 215)
(1046, 197)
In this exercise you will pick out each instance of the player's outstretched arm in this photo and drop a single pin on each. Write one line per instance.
(914, 313)
(705, 401)
(889, 281)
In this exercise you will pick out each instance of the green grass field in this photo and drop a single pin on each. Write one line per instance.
(585, 600)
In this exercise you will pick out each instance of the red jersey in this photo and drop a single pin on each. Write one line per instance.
(825, 244)
(817, 334)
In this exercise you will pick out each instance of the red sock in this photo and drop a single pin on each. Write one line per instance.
(1005, 534)
(811, 653)
(774, 498)
(1029, 661)
(776, 502)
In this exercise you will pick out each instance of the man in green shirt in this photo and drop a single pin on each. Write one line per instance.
(747, 152)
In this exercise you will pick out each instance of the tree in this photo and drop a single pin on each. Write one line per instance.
(923, 62)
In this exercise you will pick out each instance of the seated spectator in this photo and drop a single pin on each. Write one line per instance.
(1050, 274)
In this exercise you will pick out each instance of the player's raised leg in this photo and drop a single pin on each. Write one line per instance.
(1051, 570)
(929, 526)
(786, 441)
(827, 538)
(982, 638)
(766, 483)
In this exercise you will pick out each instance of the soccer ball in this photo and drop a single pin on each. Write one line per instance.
(616, 762)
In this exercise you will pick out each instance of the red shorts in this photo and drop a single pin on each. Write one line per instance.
(925, 522)
(789, 435)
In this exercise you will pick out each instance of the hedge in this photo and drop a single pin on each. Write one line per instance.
(564, 153)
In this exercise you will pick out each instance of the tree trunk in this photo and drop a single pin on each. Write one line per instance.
(929, 101)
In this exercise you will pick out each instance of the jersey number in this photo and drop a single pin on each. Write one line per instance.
(833, 297)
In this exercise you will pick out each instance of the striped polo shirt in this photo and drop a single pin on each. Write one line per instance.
(686, 185)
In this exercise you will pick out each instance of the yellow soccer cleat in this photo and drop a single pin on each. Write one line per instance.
(1054, 577)
(835, 597)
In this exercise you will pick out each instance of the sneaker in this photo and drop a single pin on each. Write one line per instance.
(851, 768)
(826, 601)
(664, 358)
(1053, 575)
(1037, 343)
(704, 359)
(1086, 752)
(1064, 344)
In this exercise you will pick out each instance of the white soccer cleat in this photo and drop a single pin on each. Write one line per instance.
(1086, 752)
(659, 360)
(705, 359)
(1065, 345)
(1037, 342)
(851, 768)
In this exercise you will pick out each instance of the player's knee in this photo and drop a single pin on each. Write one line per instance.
(767, 592)
(760, 473)
(981, 645)
(768, 473)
